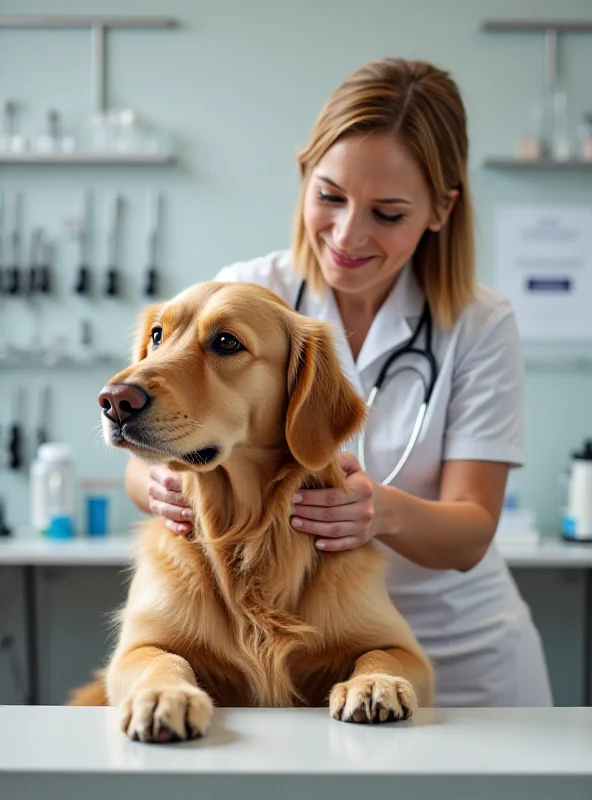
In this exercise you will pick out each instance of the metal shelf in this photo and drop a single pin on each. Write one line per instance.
(41, 21)
(573, 364)
(145, 159)
(502, 162)
(536, 26)
(49, 361)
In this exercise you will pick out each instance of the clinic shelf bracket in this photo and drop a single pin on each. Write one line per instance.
(551, 30)
(99, 26)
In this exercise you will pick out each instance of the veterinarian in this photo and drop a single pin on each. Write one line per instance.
(383, 236)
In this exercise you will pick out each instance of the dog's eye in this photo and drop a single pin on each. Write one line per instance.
(226, 344)
(156, 336)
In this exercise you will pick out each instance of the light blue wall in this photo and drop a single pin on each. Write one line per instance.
(239, 85)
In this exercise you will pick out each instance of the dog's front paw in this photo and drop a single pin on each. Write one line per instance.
(166, 714)
(372, 698)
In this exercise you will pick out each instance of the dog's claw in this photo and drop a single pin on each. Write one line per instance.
(372, 698)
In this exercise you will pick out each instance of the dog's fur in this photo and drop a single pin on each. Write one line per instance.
(248, 612)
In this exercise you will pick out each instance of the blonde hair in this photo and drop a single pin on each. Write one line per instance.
(422, 106)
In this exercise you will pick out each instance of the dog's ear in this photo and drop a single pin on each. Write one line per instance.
(324, 410)
(142, 335)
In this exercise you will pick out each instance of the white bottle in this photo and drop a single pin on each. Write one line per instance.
(53, 491)
(577, 519)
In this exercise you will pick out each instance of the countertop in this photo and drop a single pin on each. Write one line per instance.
(540, 754)
(116, 550)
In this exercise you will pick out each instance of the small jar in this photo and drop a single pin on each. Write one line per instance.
(97, 499)
(585, 137)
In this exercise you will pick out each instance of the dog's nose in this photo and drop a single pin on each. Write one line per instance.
(120, 401)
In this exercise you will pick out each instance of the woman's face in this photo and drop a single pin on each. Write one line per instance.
(366, 207)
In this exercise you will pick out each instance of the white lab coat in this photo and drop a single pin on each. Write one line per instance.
(475, 626)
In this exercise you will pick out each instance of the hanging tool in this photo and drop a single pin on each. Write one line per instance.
(113, 284)
(154, 217)
(32, 276)
(2, 227)
(11, 279)
(4, 529)
(43, 416)
(83, 284)
(15, 437)
(39, 276)
(44, 267)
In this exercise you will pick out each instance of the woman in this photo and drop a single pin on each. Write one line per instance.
(383, 226)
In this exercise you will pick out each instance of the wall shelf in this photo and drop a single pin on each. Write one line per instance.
(140, 159)
(536, 26)
(130, 23)
(573, 364)
(49, 361)
(503, 162)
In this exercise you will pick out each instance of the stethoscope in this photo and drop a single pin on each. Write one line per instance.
(410, 347)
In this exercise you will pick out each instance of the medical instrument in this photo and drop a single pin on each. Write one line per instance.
(44, 266)
(154, 215)
(82, 285)
(113, 284)
(11, 279)
(2, 224)
(4, 529)
(409, 348)
(38, 279)
(31, 276)
(15, 437)
(43, 416)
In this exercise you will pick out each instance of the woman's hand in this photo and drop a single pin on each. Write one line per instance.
(342, 520)
(166, 501)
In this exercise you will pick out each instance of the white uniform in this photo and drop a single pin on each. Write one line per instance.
(474, 625)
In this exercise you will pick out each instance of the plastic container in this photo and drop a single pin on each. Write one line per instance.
(585, 137)
(576, 522)
(97, 501)
(53, 491)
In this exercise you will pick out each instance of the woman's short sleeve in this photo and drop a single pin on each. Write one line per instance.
(485, 411)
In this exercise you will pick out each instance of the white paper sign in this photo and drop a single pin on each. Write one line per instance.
(544, 268)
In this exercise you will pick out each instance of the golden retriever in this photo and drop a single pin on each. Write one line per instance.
(246, 397)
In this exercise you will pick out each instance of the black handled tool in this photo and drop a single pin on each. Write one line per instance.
(43, 418)
(44, 281)
(15, 438)
(32, 276)
(11, 278)
(4, 529)
(113, 282)
(83, 282)
(2, 227)
(152, 286)
(39, 275)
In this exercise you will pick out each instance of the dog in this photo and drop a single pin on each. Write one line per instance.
(247, 399)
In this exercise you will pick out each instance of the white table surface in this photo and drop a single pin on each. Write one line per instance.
(539, 754)
(116, 551)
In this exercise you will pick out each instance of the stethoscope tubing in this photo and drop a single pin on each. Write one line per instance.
(425, 321)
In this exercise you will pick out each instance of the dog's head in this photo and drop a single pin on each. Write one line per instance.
(225, 366)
